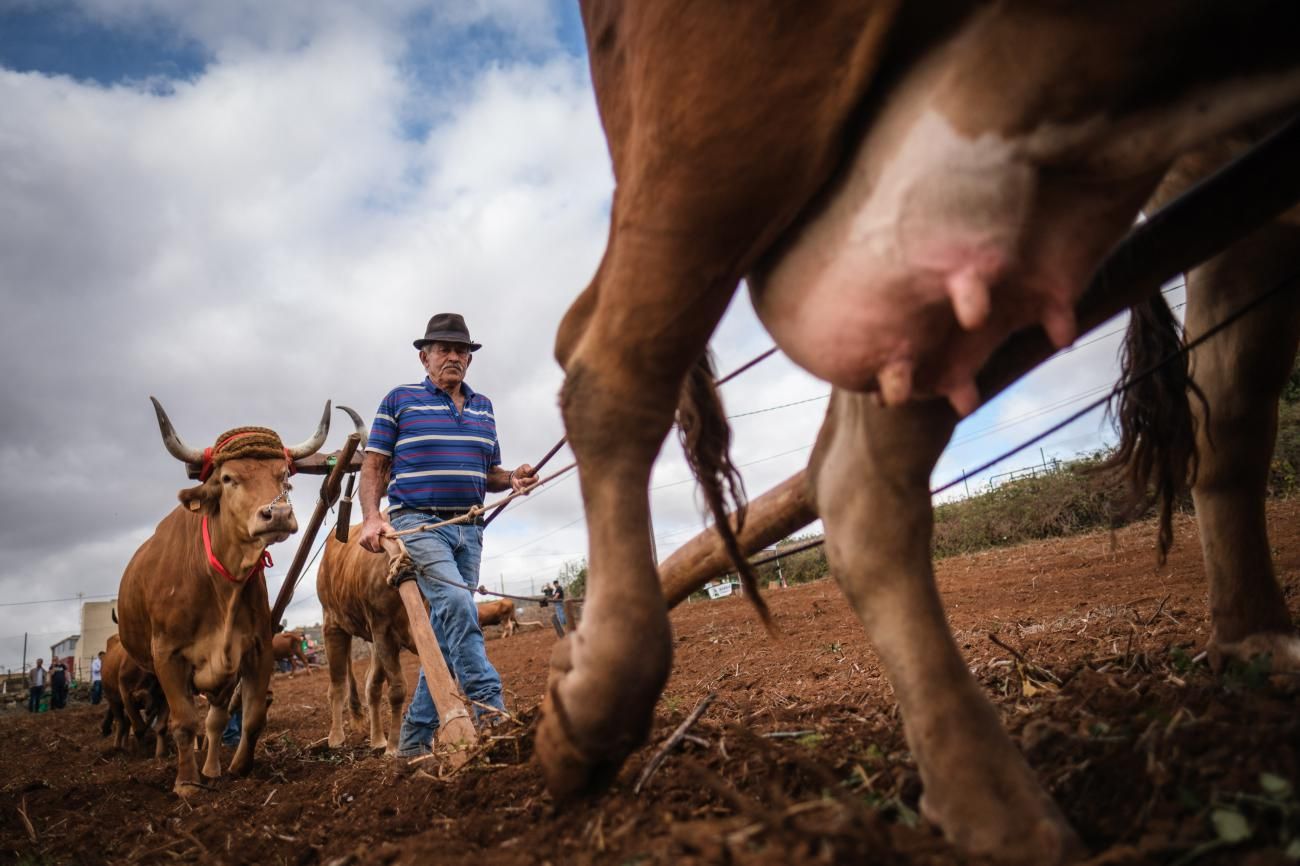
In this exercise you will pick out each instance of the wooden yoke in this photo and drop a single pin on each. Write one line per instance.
(456, 730)
(334, 466)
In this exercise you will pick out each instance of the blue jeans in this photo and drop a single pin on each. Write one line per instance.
(559, 613)
(234, 727)
(96, 691)
(452, 553)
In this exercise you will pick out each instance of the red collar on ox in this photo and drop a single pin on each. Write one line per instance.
(221, 569)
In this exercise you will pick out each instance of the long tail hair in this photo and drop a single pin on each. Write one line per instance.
(706, 439)
(1157, 450)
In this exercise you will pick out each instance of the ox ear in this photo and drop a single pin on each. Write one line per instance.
(205, 497)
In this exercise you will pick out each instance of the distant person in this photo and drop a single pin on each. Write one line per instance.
(97, 678)
(558, 594)
(58, 684)
(36, 686)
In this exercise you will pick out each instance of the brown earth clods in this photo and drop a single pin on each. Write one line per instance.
(800, 758)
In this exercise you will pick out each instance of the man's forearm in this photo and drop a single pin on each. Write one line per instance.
(374, 481)
(498, 479)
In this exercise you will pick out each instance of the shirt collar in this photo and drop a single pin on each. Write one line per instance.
(465, 389)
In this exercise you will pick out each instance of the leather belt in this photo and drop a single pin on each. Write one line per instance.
(443, 513)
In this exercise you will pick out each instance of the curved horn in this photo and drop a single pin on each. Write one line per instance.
(357, 422)
(312, 445)
(175, 447)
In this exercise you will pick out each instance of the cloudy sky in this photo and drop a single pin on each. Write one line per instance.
(248, 208)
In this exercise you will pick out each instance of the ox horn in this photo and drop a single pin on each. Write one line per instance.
(175, 447)
(357, 422)
(312, 445)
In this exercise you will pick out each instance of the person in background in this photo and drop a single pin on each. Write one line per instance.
(97, 678)
(58, 684)
(36, 686)
(558, 594)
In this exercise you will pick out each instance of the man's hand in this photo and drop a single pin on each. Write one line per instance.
(373, 528)
(523, 479)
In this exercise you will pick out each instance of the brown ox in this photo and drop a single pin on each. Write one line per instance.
(358, 602)
(500, 612)
(287, 646)
(192, 608)
(904, 185)
(135, 700)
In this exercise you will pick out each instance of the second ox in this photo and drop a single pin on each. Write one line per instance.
(358, 602)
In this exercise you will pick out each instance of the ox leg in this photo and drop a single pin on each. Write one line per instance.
(626, 345)
(139, 727)
(219, 710)
(338, 655)
(871, 471)
(255, 674)
(174, 677)
(1242, 371)
(387, 650)
(375, 696)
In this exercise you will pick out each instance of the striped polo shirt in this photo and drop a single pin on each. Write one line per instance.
(441, 457)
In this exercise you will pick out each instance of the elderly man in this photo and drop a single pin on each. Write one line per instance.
(433, 449)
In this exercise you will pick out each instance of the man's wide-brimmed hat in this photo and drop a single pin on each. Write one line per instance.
(449, 328)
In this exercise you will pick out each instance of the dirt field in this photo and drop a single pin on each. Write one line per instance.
(799, 759)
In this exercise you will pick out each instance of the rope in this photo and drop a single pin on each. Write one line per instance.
(475, 510)
(1231, 319)
(497, 508)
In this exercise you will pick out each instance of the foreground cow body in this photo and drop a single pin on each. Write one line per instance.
(905, 186)
(193, 609)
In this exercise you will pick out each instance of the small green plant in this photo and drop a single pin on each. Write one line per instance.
(1270, 817)
(1180, 660)
(810, 741)
(1249, 676)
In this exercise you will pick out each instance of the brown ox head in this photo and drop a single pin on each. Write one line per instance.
(245, 477)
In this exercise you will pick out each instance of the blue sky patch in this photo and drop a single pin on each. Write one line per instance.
(56, 38)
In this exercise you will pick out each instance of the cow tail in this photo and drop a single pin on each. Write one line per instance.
(706, 439)
(1156, 455)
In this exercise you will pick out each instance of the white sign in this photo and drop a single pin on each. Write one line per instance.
(721, 590)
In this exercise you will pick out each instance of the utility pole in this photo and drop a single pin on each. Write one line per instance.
(654, 548)
(24, 652)
(503, 583)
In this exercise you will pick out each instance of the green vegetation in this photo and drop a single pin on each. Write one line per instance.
(1068, 499)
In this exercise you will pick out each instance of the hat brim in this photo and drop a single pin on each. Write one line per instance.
(446, 338)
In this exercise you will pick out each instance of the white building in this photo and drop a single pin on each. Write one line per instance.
(97, 627)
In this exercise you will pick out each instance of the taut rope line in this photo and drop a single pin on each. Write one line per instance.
(763, 356)
(475, 510)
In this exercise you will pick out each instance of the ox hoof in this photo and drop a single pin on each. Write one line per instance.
(1281, 650)
(1026, 830)
(193, 790)
(590, 724)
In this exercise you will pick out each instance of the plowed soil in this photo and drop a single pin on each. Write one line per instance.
(1095, 669)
